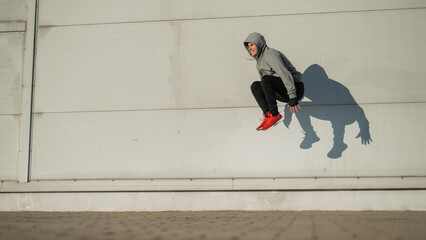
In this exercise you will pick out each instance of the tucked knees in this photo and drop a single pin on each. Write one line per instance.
(267, 79)
(256, 86)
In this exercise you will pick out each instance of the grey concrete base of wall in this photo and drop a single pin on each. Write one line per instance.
(403, 200)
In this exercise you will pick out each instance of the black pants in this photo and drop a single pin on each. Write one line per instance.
(269, 90)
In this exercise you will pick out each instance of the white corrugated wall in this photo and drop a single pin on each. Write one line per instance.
(16, 68)
(155, 95)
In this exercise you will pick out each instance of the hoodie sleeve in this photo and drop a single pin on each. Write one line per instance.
(276, 63)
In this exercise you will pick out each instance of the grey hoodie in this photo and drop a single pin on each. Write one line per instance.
(272, 62)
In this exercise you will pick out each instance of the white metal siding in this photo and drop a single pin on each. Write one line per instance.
(222, 143)
(9, 129)
(146, 89)
(149, 89)
(13, 10)
(378, 56)
(64, 12)
(11, 58)
(13, 16)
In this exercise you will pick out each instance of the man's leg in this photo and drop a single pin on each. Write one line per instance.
(259, 95)
(272, 88)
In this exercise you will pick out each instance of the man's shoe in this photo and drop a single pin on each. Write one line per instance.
(272, 121)
(265, 119)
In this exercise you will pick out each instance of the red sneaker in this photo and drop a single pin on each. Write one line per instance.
(265, 119)
(272, 121)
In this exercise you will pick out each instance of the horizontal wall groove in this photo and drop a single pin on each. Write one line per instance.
(13, 26)
(218, 191)
(10, 114)
(231, 17)
(212, 108)
(13, 31)
(225, 178)
(220, 185)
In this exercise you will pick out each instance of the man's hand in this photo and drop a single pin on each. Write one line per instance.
(294, 109)
(293, 104)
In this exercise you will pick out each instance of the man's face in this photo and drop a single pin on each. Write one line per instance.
(252, 49)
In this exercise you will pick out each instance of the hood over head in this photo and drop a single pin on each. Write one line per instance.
(258, 40)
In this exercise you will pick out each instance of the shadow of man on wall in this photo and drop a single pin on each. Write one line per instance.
(333, 102)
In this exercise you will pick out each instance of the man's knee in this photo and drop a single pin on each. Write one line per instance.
(255, 86)
(265, 79)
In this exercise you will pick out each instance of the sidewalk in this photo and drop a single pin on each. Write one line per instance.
(232, 225)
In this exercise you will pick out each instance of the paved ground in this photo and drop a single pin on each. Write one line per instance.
(212, 225)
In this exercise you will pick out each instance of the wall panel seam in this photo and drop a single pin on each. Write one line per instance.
(30, 139)
(231, 17)
(10, 114)
(13, 31)
(355, 177)
(213, 108)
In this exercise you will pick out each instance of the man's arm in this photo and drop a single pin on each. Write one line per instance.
(277, 64)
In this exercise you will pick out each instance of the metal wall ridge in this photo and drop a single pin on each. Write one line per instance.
(12, 26)
(260, 184)
(303, 104)
(229, 17)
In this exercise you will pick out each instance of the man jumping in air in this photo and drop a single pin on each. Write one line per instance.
(279, 81)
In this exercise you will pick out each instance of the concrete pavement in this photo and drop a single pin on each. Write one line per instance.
(232, 225)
